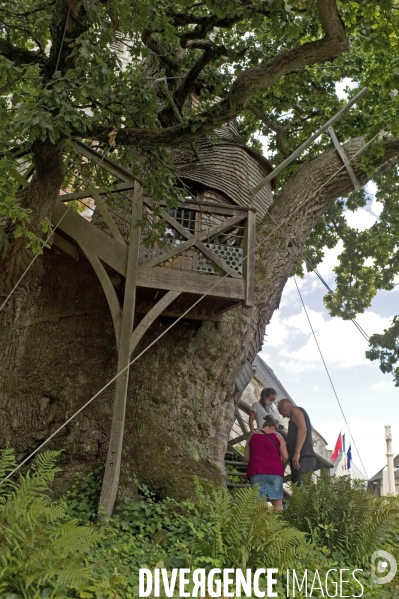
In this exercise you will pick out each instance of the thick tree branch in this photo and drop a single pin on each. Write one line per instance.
(29, 34)
(19, 56)
(185, 88)
(166, 57)
(245, 86)
(70, 21)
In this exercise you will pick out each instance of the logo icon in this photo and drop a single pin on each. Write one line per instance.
(383, 562)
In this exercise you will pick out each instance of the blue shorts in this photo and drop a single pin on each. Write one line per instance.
(270, 485)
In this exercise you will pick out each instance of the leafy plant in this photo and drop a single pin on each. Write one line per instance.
(81, 501)
(41, 549)
(342, 516)
(243, 532)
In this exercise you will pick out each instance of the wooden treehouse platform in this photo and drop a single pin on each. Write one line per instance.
(206, 248)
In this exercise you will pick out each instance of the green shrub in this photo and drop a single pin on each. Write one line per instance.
(341, 516)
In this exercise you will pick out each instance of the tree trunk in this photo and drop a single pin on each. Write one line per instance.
(58, 350)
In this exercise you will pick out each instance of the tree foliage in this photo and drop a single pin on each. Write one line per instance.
(92, 69)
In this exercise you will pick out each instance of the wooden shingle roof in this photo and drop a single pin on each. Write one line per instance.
(228, 166)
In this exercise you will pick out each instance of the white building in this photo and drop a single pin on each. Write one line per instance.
(341, 470)
(378, 484)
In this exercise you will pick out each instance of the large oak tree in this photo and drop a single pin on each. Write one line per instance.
(89, 69)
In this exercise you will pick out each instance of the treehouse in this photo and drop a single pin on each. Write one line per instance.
(205, 252)
(199, 266)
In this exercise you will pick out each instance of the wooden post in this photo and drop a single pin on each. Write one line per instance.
(248, 265)
(113, 463)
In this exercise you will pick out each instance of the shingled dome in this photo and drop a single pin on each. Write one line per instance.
(230, 167)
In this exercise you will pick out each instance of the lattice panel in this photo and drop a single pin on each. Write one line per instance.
(146, 253)
(233, 256)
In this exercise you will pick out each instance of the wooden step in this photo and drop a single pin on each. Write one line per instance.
(236, 474)
(235, 463)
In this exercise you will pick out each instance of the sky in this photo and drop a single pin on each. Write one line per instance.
(369, 398)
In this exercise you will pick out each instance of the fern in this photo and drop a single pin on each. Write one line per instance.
(41, 549)
(340, 515)
(245, 533)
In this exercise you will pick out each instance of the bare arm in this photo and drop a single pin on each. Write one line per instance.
(298, 418)
(247, 452)
(283, 450)
(251, 421)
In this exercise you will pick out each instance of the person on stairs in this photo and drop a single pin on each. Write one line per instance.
(299, 440)
(263, 407)
(267, 457)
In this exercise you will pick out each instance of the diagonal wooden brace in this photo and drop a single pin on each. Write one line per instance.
(208, 253)
(344, 158)
(204, 236)
(149, 318)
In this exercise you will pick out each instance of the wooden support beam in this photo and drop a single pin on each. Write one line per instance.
(344, 158)
(238, 439)
(149, 318)
(109, 165)
(218, 260)
(90, 237)
(29, 171)
(64, 245)
(176, 225)
(190, 282)
(109, 290)
(113, 463)
(205, 207)
(86, 193)
(195, 314)
(241, 422)
(248, 265)
(111, 224)
(18, 177)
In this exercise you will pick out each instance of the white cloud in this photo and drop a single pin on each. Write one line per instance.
(376, 207)
(290, 327)
(384, 386)
(330, 261)
(370, 188)
(341, 344)
(341, 85)
(369, 262)
(360, 219)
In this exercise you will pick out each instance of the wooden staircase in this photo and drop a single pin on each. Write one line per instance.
(236, 469)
